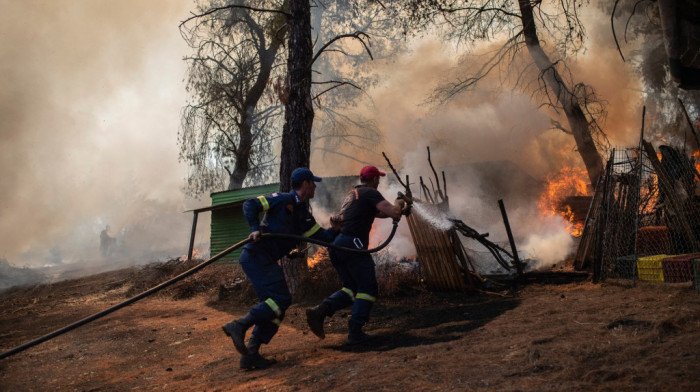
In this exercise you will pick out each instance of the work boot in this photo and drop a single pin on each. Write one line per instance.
(236, 330)
(315, 317)
(256, 361)
(253, 360)
(355, 334)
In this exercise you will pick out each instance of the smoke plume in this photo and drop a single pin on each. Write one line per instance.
(493, 143)
(90, 112)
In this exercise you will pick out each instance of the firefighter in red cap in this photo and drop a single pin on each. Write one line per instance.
(355, 270)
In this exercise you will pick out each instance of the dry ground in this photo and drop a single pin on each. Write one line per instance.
(542, 337)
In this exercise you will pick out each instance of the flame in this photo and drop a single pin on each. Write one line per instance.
(569, 181)
(195, 253)
(649, 194)
(696, 159)
(320, 255)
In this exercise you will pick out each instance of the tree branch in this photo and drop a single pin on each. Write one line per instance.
(337, 84)
(358, 35)
(336, 152)
(612, 24)
(217, 9)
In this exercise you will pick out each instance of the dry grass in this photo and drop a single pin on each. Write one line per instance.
(228, 283)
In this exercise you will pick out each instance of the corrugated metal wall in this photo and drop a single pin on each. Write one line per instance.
(244, 194)
(228, 226)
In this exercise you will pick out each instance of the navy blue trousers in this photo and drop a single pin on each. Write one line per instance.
(268, 282)
(357, 275)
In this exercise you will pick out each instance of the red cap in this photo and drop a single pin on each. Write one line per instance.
(368, 172)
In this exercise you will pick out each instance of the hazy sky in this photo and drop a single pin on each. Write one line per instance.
(90, 101)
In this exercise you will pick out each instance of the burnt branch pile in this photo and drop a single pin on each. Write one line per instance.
(444, 262)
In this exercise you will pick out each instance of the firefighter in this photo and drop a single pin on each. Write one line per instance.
(355, 270)
(283, 213)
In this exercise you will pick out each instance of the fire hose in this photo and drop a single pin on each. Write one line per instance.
(192, 271)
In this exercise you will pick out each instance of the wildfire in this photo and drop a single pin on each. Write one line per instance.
(320, 255)
(569, 181)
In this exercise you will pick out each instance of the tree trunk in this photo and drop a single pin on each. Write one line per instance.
(572, 108)
(242, 155)
(242, 152)
(299, 114)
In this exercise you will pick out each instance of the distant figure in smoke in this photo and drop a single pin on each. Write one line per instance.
(287, 213)
(355, 270)
(107, 243)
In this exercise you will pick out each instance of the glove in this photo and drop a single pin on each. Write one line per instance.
(335, 222)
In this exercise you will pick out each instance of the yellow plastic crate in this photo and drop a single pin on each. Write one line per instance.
(650, 268)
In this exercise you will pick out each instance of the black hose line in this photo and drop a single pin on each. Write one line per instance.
(332, 246)
(185, 274)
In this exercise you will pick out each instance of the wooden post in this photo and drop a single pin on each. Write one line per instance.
(194, 230)
(639, 181)
(516, 259)
(602, 221)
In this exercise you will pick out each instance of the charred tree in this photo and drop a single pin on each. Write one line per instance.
(563, 94)
(514, 22)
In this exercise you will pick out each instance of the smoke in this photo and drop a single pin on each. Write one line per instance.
(90, 108)
(549, 244)
(492, 142)
(491, 145)
(90, 112)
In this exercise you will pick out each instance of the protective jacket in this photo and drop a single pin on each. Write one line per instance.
(283, 213)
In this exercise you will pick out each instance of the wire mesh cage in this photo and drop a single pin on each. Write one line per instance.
(644, 216)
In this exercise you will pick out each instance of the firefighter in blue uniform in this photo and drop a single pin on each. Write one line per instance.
(287, 213)
(356, 270)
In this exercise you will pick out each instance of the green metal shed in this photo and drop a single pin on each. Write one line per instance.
(228, 225)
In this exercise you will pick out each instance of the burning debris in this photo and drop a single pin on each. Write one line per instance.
(556, 199)
(444, 262)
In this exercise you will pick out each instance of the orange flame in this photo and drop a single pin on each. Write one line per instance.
(320, 255)
(696, 159)
(569, 181)
(195, 254)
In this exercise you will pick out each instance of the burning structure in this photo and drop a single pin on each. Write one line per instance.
(444, 262)
(563, 195)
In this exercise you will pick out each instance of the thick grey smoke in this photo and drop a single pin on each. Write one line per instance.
(492, 143)
(92, 92)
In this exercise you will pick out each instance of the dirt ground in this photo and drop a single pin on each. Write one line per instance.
(544, 336)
